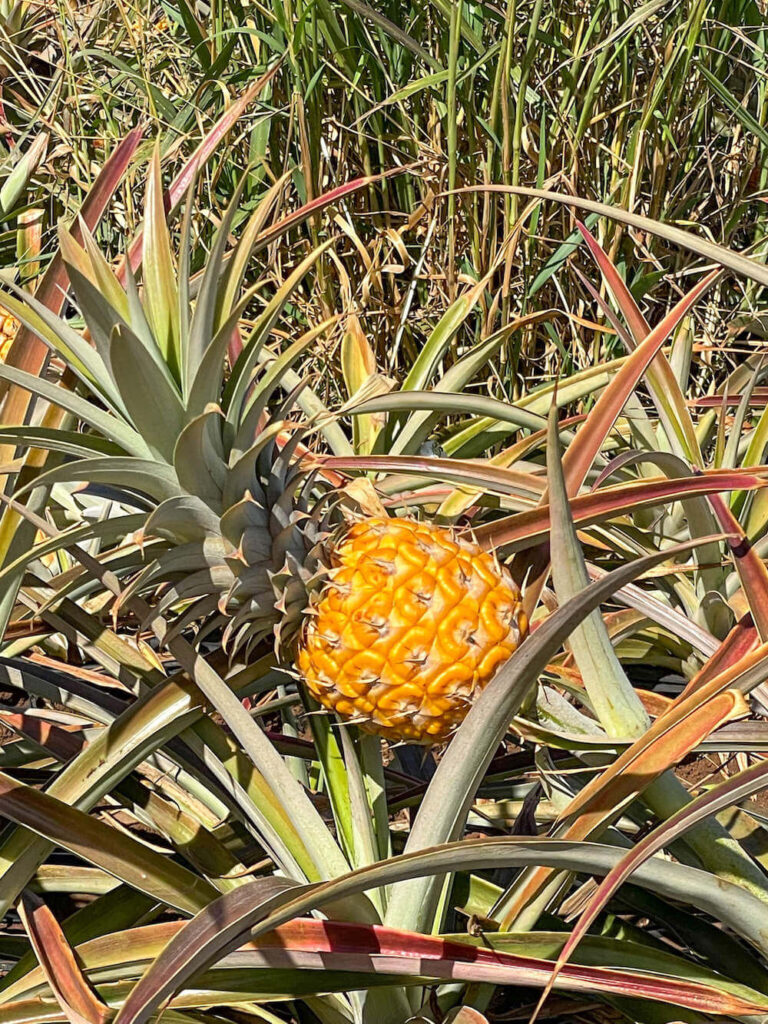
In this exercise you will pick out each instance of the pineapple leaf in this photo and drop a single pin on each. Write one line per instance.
(188, 559)
(451, 403)
(613, 697)
(665, 391)
(444, 808)
(100, 316)
(71, 442)
(116, 852)
(204, 317)
(60, 966)
(104, 530)
(59, 336)
(237, 385)
(436, 345)
(271, 379)
(116, 430)
(199, 458)
(182, 518)
(29, 353)
(710, 251)
(252, 913)
(159, 277)
(125, 474)
(103, 277)
(150, 396)
(418, 428)
(206, 386)
(237, 262)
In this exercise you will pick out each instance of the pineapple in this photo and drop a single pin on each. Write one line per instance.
(411, 626)
(9, 327)
(143, 25)
(393, 624)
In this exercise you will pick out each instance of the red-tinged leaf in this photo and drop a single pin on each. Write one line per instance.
(741, 641)
(582, 451)
(750, 567)
(758, 399)
(664, 744)
(371, 948)
(524, 529)
(320, 946)
(466, 1015)
(636, 322)
(222, 127)
(744, 675)
(726, 794)
(199, 158)
(227, 922)
(589, 440)
(326, 199)
(78, 1001)
(63, 741)
(314, 945)
(27, 351)
(662, 381)
(655, 704)
(101, 679)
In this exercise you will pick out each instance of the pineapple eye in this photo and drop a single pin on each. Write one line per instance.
(418, 657)
(330, 639)
(379, 624)
(385, 565)
(369, 678)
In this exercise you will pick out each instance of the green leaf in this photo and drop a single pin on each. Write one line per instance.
(742, 265)
(613, 697)
(159, 277)
(237, 386)
(249, 912)
(111, 427)
(143, 476)
(199, 458)
(113, 851)
(151, 398)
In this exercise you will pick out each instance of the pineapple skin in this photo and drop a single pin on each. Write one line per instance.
(9, 327)
(411, 626)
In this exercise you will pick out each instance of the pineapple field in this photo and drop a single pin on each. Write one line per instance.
(383, 516)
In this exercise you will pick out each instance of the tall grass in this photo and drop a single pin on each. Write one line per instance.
(660, 108)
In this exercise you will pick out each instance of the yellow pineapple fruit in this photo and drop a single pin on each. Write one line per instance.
(413, 622)
(9, 327)
(144, 25)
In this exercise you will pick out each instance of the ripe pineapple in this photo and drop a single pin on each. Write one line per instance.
(143, 25)
(9, 327)
(393, 624)
(411, 626)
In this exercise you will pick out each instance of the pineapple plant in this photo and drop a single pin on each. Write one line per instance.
(396, 625)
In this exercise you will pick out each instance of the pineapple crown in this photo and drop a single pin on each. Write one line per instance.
(206, 466)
